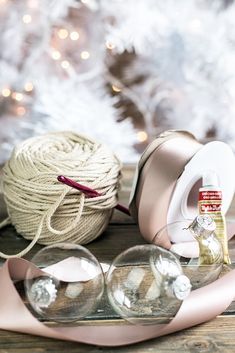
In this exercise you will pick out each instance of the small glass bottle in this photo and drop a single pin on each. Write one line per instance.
(210, 202)
(210, 249)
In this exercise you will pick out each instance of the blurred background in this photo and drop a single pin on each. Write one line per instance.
(120, 71)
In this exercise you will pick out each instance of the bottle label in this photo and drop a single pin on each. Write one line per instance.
(210, 195)
(210, 201)
(210, 207)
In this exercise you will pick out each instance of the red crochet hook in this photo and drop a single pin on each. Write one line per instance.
(88, 191)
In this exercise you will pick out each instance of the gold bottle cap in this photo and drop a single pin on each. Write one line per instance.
(202, 225)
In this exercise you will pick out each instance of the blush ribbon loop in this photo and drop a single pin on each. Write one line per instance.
(201, 305)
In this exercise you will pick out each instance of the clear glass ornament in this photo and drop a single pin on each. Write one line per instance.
(67, 283)
(191, 249)
(146, 285)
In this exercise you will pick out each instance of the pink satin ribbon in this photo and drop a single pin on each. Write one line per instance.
(202, 305)
(159, 168)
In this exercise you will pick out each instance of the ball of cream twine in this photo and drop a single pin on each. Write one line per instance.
(46, 211)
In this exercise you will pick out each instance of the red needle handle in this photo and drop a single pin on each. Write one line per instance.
(88, 191)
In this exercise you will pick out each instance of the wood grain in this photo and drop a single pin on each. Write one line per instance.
(122, 233)
(212, 337)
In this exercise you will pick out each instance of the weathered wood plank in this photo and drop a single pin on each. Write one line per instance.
(212, 337)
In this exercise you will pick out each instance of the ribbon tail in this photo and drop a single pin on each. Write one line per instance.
(202, 305)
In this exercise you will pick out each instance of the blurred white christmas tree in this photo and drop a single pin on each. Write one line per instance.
(81, 65)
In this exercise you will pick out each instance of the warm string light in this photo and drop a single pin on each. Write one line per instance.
(74, 35)
(6, 92)
(28, 87)
(55, 54)
(17, 96)
(62, 33)
(85, 55)
(110, 45)
(65, 64)
(116, 88)
(20, 110)
(142, 136)
(27, 19)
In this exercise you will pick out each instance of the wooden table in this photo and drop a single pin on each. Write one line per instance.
(217, 335)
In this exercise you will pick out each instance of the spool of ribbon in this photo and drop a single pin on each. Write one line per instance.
(167, 181)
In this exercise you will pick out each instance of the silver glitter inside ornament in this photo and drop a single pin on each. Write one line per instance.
(181, 287)
(173, 281)
(43, 292)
